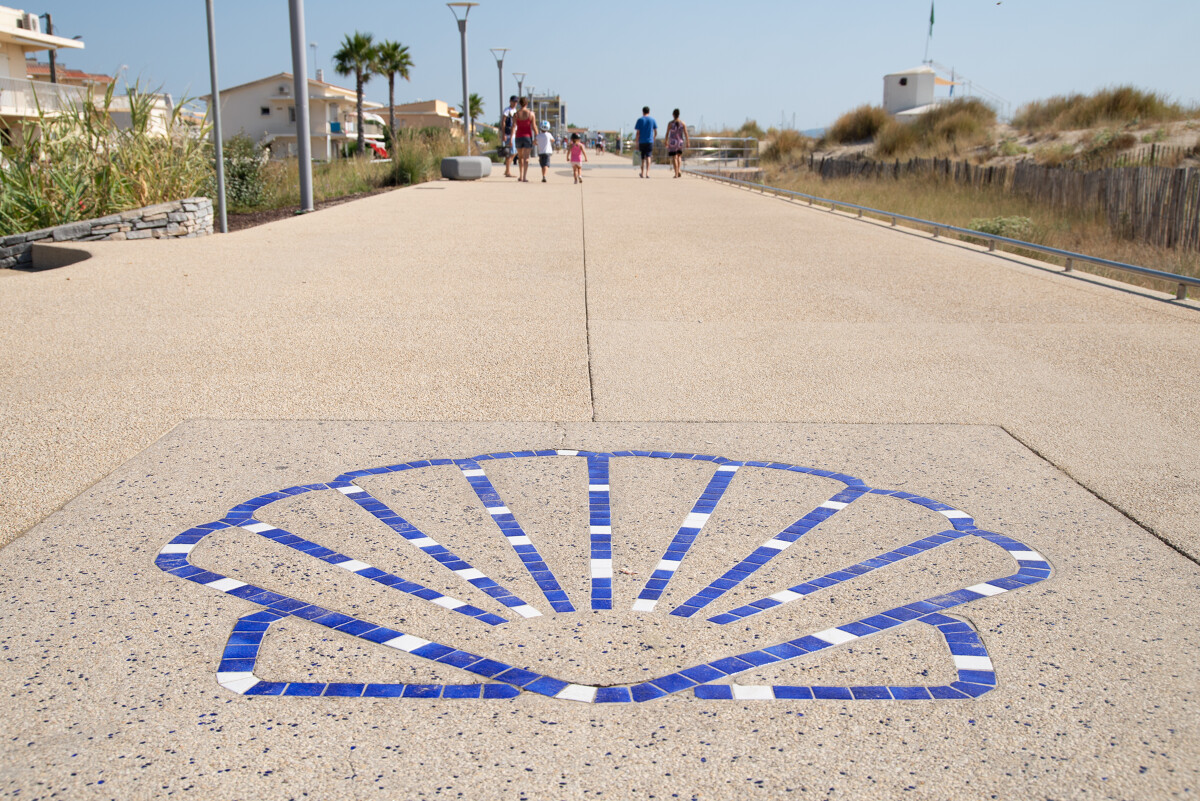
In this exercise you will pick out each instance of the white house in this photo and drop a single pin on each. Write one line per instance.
(265, 110)
(21, 98)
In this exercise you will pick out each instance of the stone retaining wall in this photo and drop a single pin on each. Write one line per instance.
(189, 217)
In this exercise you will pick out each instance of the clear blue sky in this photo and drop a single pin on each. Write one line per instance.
(722, 62)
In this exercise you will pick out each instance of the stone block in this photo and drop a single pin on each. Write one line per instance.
(466, 168)
(142, 234)
(72, 231)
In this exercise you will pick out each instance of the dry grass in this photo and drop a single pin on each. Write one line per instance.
(787, 146)
(859, 125)
(1116, 106)
(947, 129)
(930, 198)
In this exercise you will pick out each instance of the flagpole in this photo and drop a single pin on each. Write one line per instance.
(929, 36)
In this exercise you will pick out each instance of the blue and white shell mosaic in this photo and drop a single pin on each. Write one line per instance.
(975, 673)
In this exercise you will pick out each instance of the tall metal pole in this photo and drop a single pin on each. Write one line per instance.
(500, 68)
(462, 29)
(300, 82)
(520, 76)
(218, 145)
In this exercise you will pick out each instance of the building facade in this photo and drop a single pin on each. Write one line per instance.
(22, 99)
(265, 111)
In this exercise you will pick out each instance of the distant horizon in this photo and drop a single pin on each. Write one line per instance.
(806, 65)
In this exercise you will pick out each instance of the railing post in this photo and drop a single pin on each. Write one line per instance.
(992, 245)
(860, 214)
(1181, 292)
(1070, 265)
(936, 232)
(893, 222)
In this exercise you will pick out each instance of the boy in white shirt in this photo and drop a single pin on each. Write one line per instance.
(545, 147)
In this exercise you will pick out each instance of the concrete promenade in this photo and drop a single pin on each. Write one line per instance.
(153, 387)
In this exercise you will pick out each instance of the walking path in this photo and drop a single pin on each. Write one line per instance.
(930, 473)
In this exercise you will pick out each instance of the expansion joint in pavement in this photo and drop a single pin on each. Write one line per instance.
(1177, 548)
(587, 327)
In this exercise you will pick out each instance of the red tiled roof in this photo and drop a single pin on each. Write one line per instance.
(39, 70)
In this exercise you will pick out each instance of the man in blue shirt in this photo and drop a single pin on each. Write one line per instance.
(646, 129)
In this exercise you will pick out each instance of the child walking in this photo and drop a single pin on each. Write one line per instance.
(577, 155)
(545, 148)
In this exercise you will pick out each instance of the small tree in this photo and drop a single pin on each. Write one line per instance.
(392, 59)
(476, 112)
(356, 57)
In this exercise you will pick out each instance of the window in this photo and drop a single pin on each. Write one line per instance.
(265, 111)
(291, 113)
(904, 81)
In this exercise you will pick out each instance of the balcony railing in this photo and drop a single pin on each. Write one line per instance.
(22, 98)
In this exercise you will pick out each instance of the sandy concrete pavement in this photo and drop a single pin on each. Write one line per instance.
(160, 384)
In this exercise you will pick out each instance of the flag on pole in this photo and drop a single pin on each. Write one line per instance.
(931, 17)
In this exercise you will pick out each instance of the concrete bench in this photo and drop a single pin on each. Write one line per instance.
(466, 168)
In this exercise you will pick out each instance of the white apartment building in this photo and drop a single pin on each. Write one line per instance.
(20, 98)
(265, 110)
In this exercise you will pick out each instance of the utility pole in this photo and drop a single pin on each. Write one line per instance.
(53, 52)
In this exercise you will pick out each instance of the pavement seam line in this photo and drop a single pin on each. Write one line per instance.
(587, 324)
(1112, 505)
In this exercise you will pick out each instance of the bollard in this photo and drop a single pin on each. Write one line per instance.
(1070, 265)
(992, 245)
(1181, 292)
(893, 222)
(860, 214)
(936, 232)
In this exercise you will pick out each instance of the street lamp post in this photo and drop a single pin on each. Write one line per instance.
(520, 76)
(218, 152)
(462, 30)
(499, 52)
(300, 88)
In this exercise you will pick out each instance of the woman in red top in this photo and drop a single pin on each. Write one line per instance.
(526, 122)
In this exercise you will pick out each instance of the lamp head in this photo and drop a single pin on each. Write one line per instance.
(466, 9)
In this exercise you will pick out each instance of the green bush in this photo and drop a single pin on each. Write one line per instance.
(751, 130)
(245, 183)
(859, 125)
(1011, 227)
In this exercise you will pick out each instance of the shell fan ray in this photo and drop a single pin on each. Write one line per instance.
(759, 580)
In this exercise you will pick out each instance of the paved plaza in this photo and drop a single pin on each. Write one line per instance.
(635, 488)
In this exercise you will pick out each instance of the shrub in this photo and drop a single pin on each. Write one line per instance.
(418, 154)
(785, 144)
(1009, 147)
(859, 125)
(1116, 106)
(83, 165)
(895, 139)
(1054, 155)
(964, 122)
(245, 183)
(750, 129)
(1011, 227)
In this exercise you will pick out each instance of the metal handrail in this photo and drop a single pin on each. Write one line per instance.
(1182, 282)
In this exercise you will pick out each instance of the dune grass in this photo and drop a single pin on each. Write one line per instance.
(1116, 106)
(857, 125)
(947, 129)
(931, 198)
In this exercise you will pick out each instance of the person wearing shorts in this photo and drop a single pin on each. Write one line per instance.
(647, 130)
(677, 140)
(545, 148)
(525, 122)
(507, 135)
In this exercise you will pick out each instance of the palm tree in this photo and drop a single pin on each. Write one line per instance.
(476, 113)
(392, 59)
(356, 56)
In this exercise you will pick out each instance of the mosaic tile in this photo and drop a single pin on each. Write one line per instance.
(714, 680)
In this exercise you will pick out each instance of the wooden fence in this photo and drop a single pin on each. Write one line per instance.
(1156, 205)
